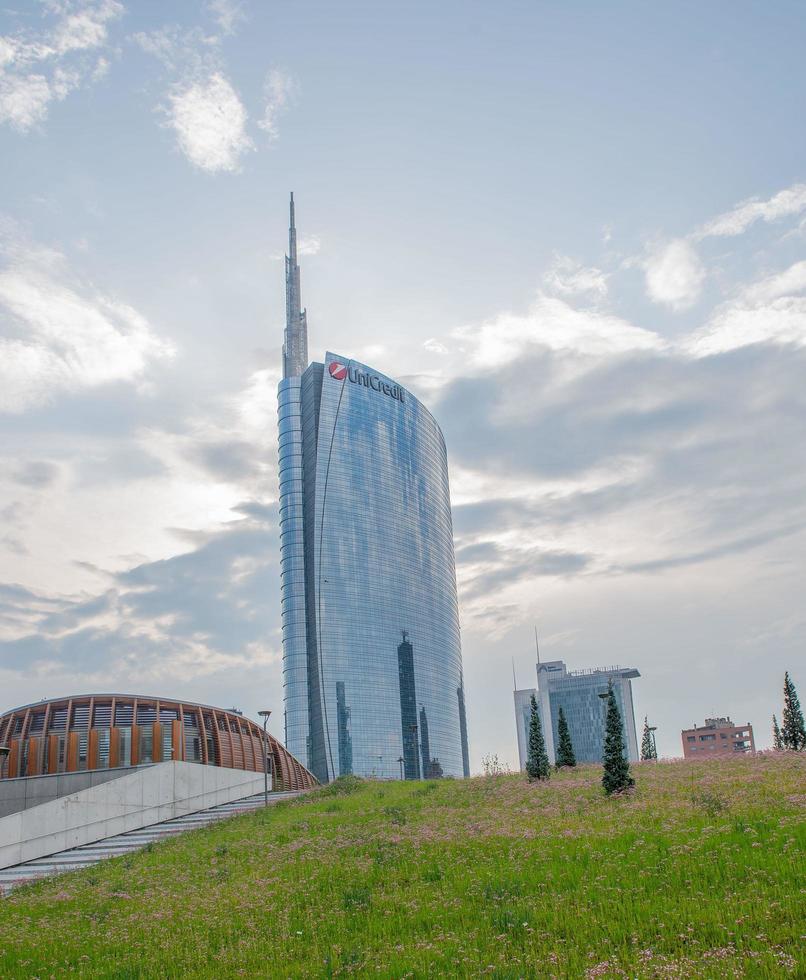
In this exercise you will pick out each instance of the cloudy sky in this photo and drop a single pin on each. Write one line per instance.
(576, 231)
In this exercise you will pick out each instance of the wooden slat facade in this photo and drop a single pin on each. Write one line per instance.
(46, 738)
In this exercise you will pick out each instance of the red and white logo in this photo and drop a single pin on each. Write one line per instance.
(337, 370)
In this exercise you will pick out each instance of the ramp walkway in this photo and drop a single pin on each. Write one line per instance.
(120, 844)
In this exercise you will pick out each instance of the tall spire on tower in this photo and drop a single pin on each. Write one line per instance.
(295, 342)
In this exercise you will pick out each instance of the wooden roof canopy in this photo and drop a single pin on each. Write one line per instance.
(101, 731)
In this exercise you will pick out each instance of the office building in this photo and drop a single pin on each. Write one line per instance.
(718, 736)
(372, 661)
(577, 692)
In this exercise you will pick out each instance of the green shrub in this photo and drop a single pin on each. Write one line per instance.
(343, 786)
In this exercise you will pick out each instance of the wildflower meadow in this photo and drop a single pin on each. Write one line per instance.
(696, 871)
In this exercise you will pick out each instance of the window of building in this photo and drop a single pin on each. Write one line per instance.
(58, 719)
(146, 739)
(126, 746)
(103, 747)
(146, 714)
(124, 715)
(691, 738)
(81, 717)
(167, 743)
(102, 715)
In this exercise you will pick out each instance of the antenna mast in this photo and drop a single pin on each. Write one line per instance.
(295, 342)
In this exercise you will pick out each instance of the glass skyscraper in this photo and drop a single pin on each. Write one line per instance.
(577, 692)
(371, 648)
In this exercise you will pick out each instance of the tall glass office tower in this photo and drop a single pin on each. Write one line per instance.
(372, 660)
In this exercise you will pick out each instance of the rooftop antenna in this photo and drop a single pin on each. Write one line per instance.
(295, 339)
(537, 645)
(514, 682)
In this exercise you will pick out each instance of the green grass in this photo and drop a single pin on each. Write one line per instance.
(698, 873)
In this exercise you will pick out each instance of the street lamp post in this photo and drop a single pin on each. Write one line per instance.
(653, 729)
(401, 760)
(265, 716)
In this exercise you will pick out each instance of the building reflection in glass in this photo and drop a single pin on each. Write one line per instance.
(425, 744)
(460, 693)
(408, 707)
(345, 739)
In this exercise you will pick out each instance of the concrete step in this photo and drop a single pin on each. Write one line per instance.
(90, 854)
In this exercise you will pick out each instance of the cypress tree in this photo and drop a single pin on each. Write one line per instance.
(647, 745)
(537, 761)
(616, 775)
(565, 747)
(777, 744)
(793, 731)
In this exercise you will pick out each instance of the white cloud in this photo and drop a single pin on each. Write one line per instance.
(256, 405)
(786, 283)
(24, 100)
(567, 277)
(188, 52)
(62, 337)
(203, 107)
(782, 322)
(309, 246)
(210, 123)
(226, 13)
(554, 324)
(36, 70)
(165, 44)
(674, 275)
(277, 90)
(768, 311)
(788, 202)
(101, 69)
(434, 346)
(674, 272)
(86, 26)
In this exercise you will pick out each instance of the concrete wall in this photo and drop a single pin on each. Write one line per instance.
(28, 791)
(142, 797)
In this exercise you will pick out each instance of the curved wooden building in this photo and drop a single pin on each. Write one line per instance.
(106, 731)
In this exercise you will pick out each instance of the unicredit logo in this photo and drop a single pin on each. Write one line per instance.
(337, 370)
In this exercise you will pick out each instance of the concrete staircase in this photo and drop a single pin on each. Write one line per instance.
(90, 854)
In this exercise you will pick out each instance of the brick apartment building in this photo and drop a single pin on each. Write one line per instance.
(718, 736)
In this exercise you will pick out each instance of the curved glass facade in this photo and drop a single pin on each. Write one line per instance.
(371, 645)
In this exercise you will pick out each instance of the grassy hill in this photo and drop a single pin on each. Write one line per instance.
(698, 873)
